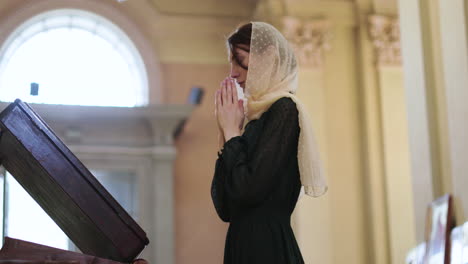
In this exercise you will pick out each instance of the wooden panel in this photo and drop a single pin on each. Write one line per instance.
(18, 251)
(65, 189)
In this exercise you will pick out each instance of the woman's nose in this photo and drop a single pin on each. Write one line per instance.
(234, 73)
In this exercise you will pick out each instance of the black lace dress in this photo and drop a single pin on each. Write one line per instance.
(256, 186)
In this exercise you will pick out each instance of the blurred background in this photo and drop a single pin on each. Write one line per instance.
(129, 87)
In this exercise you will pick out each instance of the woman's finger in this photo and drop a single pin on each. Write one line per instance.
(218, 107)
(240, 103)
(229, 89)
(234, 88)
(218, 100)
(223, 82)
(221, 94)
(224, 93)
(215, 97)
(140, 261)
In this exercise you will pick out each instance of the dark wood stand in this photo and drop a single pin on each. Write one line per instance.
(65, 188)
(18, 251)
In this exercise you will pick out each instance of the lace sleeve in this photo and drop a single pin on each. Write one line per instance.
(249, 179)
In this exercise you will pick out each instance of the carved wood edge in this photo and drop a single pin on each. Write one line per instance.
(1, 156)
(37, 262)
(24, 252)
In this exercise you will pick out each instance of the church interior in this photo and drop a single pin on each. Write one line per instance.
(129, 87)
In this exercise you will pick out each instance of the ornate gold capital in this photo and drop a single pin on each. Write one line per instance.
(310, 39)
(384, 32)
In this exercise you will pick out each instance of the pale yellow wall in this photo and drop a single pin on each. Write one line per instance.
(454, 41)
(314, 211)
(366, 104)
(436, 69)
(200, 234)
(344, 142)
(397, 165)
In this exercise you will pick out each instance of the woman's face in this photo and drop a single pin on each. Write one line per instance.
(240, 63)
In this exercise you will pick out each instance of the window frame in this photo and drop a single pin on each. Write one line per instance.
(114, 13)
(85, 21)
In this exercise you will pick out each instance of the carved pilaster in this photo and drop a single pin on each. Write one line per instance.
(384, 32)
(310, 39)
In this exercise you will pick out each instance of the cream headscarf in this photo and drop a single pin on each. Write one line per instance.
(272, 74)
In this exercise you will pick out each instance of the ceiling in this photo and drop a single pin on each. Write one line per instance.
(213, 8)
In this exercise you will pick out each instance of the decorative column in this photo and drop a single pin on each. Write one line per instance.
(384, 33)
(311, 39)
(163, 155)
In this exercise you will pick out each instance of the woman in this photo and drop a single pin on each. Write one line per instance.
(262, 166)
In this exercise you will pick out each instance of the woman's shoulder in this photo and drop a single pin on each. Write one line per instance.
(282, 110)
(282, 107)
(284, 104)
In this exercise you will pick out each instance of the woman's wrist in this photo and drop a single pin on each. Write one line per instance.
(230, 133)
(221, 142)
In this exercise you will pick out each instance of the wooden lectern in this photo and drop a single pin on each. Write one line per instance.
(68, 192)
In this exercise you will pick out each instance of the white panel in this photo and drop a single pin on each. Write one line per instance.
(415, 86)
(455, 67)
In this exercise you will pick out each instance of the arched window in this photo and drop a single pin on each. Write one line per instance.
(75, 57)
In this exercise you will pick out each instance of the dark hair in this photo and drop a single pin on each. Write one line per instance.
(242, 35)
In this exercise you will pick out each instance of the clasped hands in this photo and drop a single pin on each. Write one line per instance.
(229, 111)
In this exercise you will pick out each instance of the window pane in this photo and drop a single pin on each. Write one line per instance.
(26, 220)
(122, 186)
(21, 208)
(76, 59)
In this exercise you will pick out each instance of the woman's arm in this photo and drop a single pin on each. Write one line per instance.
(218, 193)
(250, 179)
